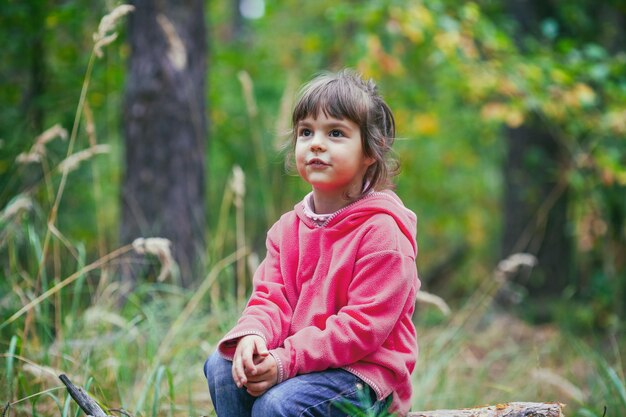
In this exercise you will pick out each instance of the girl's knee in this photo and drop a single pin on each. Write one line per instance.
(271, 405)
(206, 368)
(216, 367)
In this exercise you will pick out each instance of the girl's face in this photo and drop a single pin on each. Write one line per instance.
(329, 156)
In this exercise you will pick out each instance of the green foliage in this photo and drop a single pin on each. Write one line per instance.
(364, 407)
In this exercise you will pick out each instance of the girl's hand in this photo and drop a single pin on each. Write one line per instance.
(248, 348)
(265, 378)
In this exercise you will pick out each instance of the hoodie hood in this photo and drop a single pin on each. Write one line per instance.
(358, 212)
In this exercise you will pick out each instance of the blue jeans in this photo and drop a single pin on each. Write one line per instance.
(331, 393)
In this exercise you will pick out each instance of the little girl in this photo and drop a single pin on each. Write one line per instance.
(328, 325)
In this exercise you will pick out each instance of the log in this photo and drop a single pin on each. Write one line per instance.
(84, 401)
(514, 409)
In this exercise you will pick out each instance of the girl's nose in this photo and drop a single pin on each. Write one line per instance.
(317, 143)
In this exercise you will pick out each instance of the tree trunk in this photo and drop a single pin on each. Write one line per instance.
(535, 197)
(165, 128)
(535, 207)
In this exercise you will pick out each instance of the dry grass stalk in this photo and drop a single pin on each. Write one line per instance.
(257, 140)
(159, 247)
(237, 184)
(248, 93)
(102, 38)
(192, 304)
(68, 245)
(176, 53)
(90, 125)
(95, 314)
(253, 261)
(42, 372)
(566, 388)
(38, 150)
(283, 121)
(67, 281)
(73, 161)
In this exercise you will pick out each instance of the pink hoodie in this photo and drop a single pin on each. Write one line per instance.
(339, 295)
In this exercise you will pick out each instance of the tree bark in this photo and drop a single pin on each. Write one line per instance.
(165, 128)
(535, 207)
(515, 409)
(535, 198)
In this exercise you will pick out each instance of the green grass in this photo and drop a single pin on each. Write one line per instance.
(118, 356)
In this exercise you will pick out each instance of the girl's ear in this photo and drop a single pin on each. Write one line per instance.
(368, 161)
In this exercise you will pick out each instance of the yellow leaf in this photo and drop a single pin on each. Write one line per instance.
(559, 76)
(426, 124)
(616, 121)
(585, 94)
(514, 118)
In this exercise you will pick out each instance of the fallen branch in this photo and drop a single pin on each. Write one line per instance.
(84, 401)
(515, 409)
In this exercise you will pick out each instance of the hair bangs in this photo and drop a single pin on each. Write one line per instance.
(334, 98)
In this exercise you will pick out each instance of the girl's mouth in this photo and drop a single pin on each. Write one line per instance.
(316, 162)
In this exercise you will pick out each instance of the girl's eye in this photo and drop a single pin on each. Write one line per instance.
(305, 132)
(336, 133)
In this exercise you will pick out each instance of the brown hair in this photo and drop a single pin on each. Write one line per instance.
(346, 95)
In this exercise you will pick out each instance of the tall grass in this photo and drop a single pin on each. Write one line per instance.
(61, 313)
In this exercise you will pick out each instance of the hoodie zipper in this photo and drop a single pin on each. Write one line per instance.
(338, 212)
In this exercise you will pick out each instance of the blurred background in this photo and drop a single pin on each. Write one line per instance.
(170, 121)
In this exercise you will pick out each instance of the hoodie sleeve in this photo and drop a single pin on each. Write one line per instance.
(268, 311)
(382, 283)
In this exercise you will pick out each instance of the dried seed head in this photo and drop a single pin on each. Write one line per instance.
(15, 206)
(507, 267)
(107, 23)
(152, 245)
(435, 300)
(159, 247)
(71, 162)
(28, 158)
(101, 43)
(516, 260)
(56, 131)
(38, 150)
